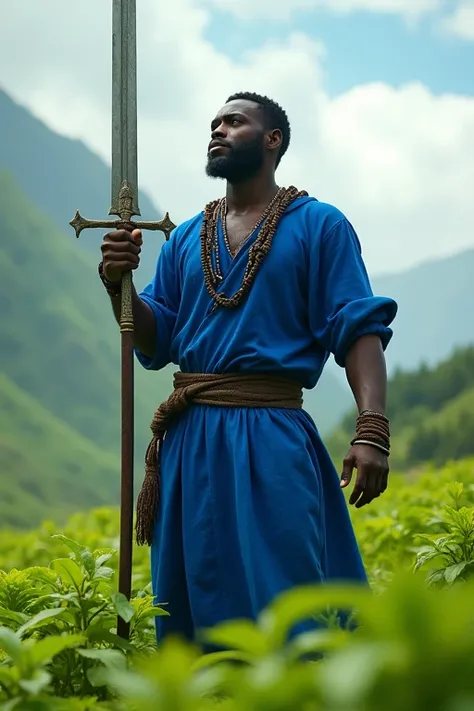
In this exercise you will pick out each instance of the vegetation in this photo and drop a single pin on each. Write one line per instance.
(431, 412)
(60, 366)
(413, 647)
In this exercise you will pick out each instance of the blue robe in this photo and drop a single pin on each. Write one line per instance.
(251, 503)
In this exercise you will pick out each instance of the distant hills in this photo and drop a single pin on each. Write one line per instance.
(59, 344)
(436, 306)
(60, 370)
(431, 413)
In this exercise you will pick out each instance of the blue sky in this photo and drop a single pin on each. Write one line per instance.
(363, 47)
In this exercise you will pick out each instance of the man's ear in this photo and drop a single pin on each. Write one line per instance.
(274, 140)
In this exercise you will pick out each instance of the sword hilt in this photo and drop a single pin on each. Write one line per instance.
(125, 214)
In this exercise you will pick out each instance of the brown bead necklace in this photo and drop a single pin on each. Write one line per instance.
(270, 218)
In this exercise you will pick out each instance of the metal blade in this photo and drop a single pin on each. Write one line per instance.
(124, 102)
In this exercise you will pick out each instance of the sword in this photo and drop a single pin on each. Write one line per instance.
(125, 206)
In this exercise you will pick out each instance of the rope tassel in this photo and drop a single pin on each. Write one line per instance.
(149, 497)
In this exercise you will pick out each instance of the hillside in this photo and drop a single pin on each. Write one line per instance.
(60, 345)
(76, 178)
(431, 410)
(45, 465)
(436, 303)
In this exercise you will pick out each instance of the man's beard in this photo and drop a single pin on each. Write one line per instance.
(239, 164)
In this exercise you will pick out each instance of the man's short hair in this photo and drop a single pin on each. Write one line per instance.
(274, 117)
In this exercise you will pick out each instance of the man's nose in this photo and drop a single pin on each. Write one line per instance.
(219, 132)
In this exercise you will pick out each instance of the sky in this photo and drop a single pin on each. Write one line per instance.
(380, 96)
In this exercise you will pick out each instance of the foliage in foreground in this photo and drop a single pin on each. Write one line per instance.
(413, 648)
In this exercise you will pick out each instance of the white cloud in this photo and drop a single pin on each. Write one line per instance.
(265, 9)
(461, 22)
(398, 162)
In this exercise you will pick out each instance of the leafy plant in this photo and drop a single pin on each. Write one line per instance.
(452, 553)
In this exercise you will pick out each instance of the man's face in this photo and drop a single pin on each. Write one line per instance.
(236, 151)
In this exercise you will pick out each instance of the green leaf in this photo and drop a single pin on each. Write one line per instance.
(454, 571)
(98, 676)
(76, 547)
(241, 635)
(104, 573)
(435, 577)
(361, 665)
(111, 658)
(68, 570)
(98, 633)
(42, 618)
(304, 603)
(11, 644)
(46, 649)
(124, 609)
(425, 558)
(17, 618)
(37, 683)
(102, 559)
(88, 561)
(154, 611)
(317, 642)
(214, 658)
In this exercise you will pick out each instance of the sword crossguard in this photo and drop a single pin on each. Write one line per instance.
(80, 223)
(125, 212)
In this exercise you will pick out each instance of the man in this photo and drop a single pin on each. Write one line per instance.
(240, 499)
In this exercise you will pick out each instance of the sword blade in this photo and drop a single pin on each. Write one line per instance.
(124, 104)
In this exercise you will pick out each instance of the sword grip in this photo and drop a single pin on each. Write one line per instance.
(126, 310)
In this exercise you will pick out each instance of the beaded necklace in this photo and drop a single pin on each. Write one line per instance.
(270, 218)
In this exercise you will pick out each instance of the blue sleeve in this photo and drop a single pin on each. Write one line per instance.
(342, 305)
(162, 294)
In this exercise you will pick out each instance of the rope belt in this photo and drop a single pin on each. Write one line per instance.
(233, 390)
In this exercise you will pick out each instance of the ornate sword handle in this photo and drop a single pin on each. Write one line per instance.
(125, 214)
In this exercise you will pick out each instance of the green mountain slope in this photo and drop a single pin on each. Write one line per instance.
(59, 341)
(431, 411)
(46, 466)
(60, 175)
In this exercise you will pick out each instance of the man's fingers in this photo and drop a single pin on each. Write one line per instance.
(347, 469)
(372, 485)
(359, 486)
(137, 237)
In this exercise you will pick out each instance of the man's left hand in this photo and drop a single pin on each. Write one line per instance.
(372, 473)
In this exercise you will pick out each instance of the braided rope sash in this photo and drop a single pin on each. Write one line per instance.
(233, 390)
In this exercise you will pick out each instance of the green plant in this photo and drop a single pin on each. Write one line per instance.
(451, 555)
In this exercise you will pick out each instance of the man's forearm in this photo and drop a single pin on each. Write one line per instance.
(144, 334)
(366, 373)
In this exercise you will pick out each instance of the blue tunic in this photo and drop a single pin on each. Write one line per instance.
(250, 501)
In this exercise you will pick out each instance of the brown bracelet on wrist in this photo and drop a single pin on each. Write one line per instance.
(113, 288)
(373, 428)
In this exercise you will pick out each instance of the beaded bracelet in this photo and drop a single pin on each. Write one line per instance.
(373, 428)
(113, 288)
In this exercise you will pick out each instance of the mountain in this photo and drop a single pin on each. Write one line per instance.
(436, 303)
(47, 467)
(60, 175)
(431, 411)
(60, 352)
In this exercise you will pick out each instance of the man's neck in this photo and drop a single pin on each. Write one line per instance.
(251, 195)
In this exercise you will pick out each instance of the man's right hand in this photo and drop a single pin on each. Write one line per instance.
(121, 252)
